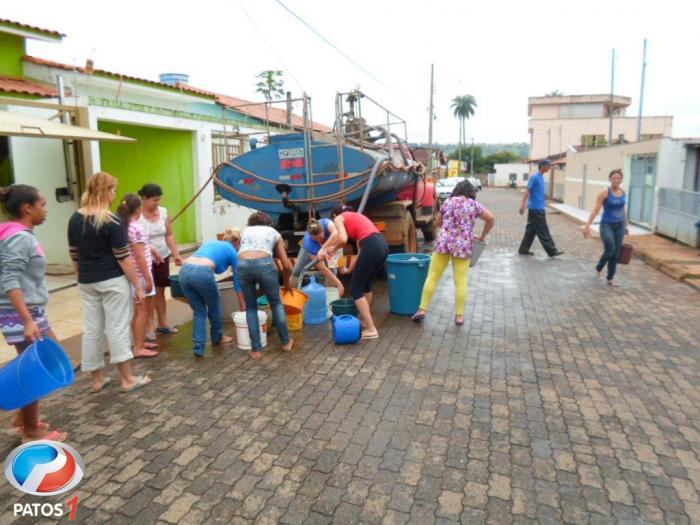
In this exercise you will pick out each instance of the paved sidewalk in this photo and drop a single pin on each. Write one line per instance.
(560, 400)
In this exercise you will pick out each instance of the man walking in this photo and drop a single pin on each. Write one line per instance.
(536, 216)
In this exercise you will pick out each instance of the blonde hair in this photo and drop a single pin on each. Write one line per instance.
(314, 228)
(96, 199)
(232, 234)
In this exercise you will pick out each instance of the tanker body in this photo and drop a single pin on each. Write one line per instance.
(298, 176)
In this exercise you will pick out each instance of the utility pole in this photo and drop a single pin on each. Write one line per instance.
(471, 163)
(430, 121)
(612, 90)
(641, 93)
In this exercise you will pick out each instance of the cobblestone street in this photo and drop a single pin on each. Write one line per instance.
(560, 400)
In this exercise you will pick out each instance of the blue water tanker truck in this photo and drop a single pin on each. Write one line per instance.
(297, 176)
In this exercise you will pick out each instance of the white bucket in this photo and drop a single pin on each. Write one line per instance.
(242, 336)
(477, 248)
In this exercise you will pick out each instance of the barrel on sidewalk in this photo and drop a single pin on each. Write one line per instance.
(406, 273)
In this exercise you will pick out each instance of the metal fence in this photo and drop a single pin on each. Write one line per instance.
(679, 210)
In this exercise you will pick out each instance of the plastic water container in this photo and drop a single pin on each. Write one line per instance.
(406, 274)
(242, 335)
(42, 368)
(295, 322)
(315, 310)
(346, 329)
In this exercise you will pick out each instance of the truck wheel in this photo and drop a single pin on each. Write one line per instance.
(429, 231)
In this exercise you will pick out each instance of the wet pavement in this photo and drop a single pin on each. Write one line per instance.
(559, 400)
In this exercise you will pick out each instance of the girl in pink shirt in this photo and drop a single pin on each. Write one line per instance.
(140, 254)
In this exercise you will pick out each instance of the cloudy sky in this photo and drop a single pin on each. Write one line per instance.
(499, 52)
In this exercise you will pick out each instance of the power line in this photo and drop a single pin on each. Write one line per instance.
(269, 46)
(345, 55)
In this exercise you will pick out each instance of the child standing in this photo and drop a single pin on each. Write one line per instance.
(23, 293)
(140, 253)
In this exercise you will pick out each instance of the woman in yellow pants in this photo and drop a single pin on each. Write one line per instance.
(456, 219)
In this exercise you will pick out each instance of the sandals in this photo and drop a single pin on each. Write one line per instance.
(55, 435)
(167, 330)
(151, 336)
(289, 346)
(41, 425)
(145, 354)
(255, 355)
(418, 317)
(370, 335)
(141, 381)
(150, 346)
(459, 320)
(105, 382)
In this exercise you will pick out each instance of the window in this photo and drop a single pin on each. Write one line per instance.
(593, 140)
(526, 176)
(513, 177)
(224, 148)
(7, 176)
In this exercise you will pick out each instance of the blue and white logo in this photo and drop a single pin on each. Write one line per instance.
(44, 468)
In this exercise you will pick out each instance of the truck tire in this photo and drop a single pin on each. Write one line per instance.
(429, 231)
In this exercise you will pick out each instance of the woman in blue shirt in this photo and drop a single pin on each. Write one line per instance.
(613, 224)
(198, 282)
(317, 232)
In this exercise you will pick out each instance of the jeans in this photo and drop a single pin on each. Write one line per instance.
(613, 235)
(537, 226)
(198, 283)
(263, 272)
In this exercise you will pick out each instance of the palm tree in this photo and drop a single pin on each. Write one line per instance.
(463, 107)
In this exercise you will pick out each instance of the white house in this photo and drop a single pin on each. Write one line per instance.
(508, 173)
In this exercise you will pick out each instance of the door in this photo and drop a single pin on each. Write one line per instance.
(641, 189)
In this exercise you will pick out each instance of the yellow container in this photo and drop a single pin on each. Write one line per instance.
(295, 322)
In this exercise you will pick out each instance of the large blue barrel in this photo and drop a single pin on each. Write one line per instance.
(406, 274)
(42, 368)
(315, 310)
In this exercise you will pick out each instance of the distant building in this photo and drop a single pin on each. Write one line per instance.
(506, 174)
(560, 122)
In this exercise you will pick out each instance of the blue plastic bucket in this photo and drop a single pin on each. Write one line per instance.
(406, 273)
(42, 368)
(346, 329)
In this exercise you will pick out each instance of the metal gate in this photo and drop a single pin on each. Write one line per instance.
(641, 189)
(678, 212)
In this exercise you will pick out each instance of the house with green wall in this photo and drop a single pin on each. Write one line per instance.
(182, 132)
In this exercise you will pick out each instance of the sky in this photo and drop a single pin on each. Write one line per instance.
(499, 52)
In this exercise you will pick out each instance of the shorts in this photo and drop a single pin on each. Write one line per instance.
(143, 287)
(161, 273)
(12, 326)
(373, 252)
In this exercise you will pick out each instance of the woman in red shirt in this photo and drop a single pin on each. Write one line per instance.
(372, 252)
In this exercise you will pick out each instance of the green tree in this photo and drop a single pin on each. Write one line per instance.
(479, 160)
(501, 157)
(270, 84)
(555, 93)
(463, 107)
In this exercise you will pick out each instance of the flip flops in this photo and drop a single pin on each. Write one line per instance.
(417, 317)
(141, 381)
(55, 435)
(290, 347)
(145, 354)
(369, 335)
(105, 382)
(167, 330)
